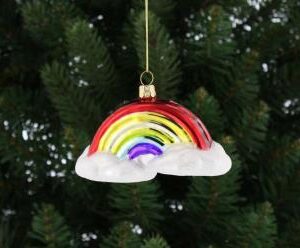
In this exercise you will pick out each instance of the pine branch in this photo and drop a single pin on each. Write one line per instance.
(240, 89)
(46, 20)
(75, 107)
(137, 203)
(25, 127)
(49, 229)
(121, 236)
(155, 242)
(211, 200)
(285, 88)
(209, 40)
(164, 59)
(281, 152)
(212, 57)
(208, 108)
(164, 9)
(91, 64)
(279, 175)
(250, 130)
(255, 229)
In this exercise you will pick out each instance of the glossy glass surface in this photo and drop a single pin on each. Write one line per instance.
(147, 127)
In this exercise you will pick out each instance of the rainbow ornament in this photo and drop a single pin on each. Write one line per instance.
(150, 136)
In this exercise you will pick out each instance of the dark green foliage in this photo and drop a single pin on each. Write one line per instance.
(70, 108)
(250, 131)
(90, 63)
(46, 21)
(280, 160)
(164, 59)
(211, 32)
(212, 201)
(255, 228)
(26, 129)
(209, 111)
(137, 203)
(288, 238)
(49, 229)
(121, 236)
(6, 236)
(239, 89)
(47, 18)
(163, 8)
(155, 242)
(66, 64)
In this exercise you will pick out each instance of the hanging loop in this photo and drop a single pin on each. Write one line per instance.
(143, 75)
(147, 89)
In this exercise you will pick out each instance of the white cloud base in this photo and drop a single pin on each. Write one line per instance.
(177, 159)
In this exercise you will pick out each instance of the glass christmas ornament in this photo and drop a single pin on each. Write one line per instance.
(150, 136)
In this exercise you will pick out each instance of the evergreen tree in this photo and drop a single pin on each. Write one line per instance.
(65, 65)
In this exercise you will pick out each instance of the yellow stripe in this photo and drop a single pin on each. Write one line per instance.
(140, 117)
(131, 134)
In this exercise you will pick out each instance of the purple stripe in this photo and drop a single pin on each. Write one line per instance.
(142, 149)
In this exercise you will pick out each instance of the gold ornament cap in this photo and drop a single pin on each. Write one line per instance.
(147, 91)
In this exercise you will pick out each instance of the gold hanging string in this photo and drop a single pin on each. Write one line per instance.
(147, 71)
(147, 34)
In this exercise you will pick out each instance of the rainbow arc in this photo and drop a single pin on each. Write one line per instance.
(143, 127)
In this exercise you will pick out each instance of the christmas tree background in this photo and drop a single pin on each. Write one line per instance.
(65, 65)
